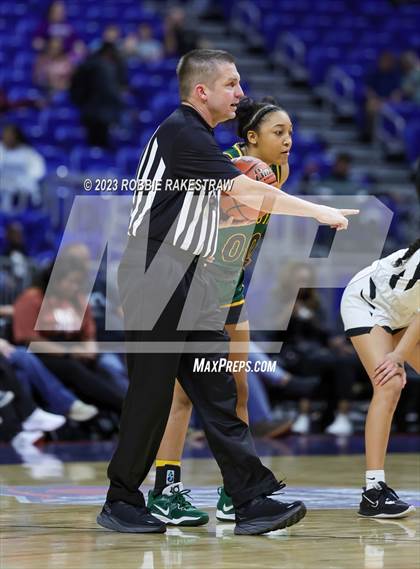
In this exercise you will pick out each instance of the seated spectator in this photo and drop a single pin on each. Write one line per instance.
(312, 348)
(57, 26)
(261, 417)
(97, 89)
(104, 301)
(53, 67)
(63, 319)
(22, 420)
(106, 310)
(340, 179)
(111, 34)
(410, 86)
(143, 46)
(382, 84)
(37, 380)
(7, 105)
(21, 170)
(178, 37)
(14, 251)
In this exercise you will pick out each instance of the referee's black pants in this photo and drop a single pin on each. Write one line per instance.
(152, 376)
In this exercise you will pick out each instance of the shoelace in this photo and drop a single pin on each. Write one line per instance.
(391, 493)
(179, 497)
(280, 487)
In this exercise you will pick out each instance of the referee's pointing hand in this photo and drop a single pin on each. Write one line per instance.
(336, 218)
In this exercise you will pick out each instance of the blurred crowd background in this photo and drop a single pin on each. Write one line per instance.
(83, 84)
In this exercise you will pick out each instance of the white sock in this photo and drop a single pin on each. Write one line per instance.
(373, 477)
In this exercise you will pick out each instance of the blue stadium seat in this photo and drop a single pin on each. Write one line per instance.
(127, 161)
(319, 59)
(163, 104)
(53, 155)
(69, 136)
(412, 140)
(92, 159)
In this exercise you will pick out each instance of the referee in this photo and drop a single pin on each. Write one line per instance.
(172, 232)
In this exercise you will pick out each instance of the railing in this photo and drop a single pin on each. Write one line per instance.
(290, 52)
(339, 80)
(390, 130)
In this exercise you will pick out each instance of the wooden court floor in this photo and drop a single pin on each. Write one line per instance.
(48, 521)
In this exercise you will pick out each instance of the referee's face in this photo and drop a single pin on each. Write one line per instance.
(224, 94)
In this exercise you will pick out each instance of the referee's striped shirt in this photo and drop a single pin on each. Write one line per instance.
(182, 148)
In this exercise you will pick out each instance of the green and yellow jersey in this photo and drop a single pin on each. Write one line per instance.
(235, 246)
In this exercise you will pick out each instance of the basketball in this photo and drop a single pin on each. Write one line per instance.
(255, 169)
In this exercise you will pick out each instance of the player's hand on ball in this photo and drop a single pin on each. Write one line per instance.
(336, 218)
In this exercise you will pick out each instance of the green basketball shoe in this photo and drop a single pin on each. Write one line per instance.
(173, 508)
(225, 511)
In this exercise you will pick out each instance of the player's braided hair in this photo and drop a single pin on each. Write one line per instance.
(409, 253)
(250, 113)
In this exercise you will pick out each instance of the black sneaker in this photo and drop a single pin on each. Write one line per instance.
(263, 514)
(126, 518)
(383, 502)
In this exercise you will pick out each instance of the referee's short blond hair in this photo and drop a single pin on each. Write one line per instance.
(199, 66)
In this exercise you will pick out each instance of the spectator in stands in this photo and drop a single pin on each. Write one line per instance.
(21, 169)
(382, 84)
(57, 26)
(14, 251)
(7, 105)
(14, 240)
(178, 37)
(143, 46)
(97, 89)
(106, 309)
(65, 319)
(340, 178)
(53, 67)
(111, 34)
(22, 419)
(312, 348)
(410, 87)
(340, 171)
(38, 381)
(261, 417)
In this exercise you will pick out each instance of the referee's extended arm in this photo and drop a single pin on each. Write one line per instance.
(261, 196)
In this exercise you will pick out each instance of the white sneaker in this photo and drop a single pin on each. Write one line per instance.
(6, 397)
(340, 426)
(302, 425)
(41, 420)
(23, 442)
(81, 411)
(43, 465)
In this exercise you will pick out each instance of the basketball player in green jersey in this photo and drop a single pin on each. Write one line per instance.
(266, 133)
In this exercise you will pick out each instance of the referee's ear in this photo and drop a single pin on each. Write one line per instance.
(200, 90)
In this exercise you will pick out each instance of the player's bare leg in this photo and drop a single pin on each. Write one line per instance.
(378, 500)
(371, 349)
(173, 441)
